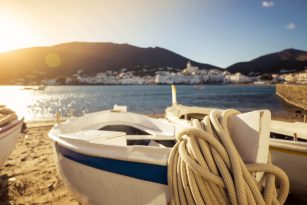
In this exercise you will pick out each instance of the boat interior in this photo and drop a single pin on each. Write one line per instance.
(120, 128)
(250, 132)
(286, 137)
(290, 131)
(134, 135)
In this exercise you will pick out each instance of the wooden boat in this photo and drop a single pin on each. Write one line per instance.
(118, 157)
(288, 148)
(10, 127)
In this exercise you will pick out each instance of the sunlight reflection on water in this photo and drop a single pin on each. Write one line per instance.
(43, 104)
(16, 99)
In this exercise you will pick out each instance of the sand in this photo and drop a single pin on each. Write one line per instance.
(30, 177)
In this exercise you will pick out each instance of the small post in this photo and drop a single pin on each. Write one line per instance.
(58, 118)
(174, 95)
(295, 137)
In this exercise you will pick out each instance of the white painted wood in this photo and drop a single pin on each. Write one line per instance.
(93, 186)
(297, 129)
(8, 140)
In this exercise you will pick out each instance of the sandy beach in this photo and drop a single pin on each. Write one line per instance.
(30, 175)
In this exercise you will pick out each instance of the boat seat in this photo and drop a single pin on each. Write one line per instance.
(96, 137)
(149, 137)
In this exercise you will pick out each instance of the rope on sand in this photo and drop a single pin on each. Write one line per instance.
(204, 167)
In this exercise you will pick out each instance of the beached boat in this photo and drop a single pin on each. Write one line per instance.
(288, 142)
(118, 157)
(103, 157)
(10, 127)
(288, 146)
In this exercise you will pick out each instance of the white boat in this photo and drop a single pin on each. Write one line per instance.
(288, 154)
(10, 127)
(291, 154)
(103, 158)
(118, 157)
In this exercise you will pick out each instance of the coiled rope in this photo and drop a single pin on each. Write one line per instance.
(204, 167)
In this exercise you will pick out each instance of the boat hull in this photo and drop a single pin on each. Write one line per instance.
(93, 185)
(8, 140)
(293, 162)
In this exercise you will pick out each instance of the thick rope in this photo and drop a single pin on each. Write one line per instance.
(204, 167)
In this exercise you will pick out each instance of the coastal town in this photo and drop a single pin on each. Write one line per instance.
(190, 75)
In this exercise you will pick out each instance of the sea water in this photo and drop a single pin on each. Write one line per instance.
(43, 104)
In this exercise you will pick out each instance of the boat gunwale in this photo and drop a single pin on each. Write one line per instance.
(288, 145)
(9, 128)
(132, 153)
(146, 128)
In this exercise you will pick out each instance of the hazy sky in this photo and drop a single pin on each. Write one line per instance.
(219, 32)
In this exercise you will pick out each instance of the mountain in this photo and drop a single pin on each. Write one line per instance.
(286, 60)
(66, 59)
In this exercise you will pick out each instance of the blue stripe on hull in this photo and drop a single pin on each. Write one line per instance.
(148, 172)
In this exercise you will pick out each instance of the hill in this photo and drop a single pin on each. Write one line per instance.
(66, 59)
(286, 60)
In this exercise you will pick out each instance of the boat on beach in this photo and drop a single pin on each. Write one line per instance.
(288, 142)
(10, 127)
(114, 157)
(119, 157)
(288, 146)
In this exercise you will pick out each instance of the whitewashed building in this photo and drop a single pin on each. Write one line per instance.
(52, 81)
(191, 69)
(238, 78)
(300, 77)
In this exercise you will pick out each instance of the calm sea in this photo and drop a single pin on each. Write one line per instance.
(34, 104)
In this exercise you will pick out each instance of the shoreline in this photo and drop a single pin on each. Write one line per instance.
(30, 176)
(243, 84)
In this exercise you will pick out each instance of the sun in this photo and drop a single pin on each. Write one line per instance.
(12, 35)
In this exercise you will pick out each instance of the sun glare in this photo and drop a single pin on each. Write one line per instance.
(9, 96)
(12, 35)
